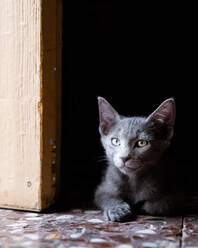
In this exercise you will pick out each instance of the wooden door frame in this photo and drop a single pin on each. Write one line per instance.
(30, 46)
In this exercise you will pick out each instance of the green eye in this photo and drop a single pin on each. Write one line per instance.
(115, 141)
(142, 143)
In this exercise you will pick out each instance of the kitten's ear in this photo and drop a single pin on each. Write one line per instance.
(165, 114)
(107, 114)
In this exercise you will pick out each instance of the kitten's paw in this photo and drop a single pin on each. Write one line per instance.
(121, 212)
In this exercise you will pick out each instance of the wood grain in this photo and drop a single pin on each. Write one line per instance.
(28, 109)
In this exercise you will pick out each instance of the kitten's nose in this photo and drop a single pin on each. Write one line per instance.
(124, 159)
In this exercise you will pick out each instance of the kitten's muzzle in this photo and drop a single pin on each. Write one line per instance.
(130, 163)
(125, 159)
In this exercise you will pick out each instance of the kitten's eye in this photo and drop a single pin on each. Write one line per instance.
(142, 143)
(115, 141)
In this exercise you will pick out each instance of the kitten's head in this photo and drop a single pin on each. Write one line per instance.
(135, 142)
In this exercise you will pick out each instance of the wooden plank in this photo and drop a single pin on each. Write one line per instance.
(28, 103)
(48, 101)
(19, 99)
(59, 11)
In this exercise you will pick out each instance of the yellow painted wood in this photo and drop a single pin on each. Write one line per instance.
(29, 85)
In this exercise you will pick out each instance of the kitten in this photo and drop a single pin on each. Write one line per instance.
(139, 178)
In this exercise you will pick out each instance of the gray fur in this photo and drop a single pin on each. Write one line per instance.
(139, 184)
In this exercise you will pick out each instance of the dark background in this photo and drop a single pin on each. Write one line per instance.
(135, 57)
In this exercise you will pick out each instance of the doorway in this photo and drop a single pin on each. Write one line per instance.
(135, 61)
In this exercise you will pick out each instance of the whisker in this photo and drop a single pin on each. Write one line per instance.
(101, 159)
(102, 156)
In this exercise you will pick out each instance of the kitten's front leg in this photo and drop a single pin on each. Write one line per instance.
(163, 206)
(121, 211)
(115, 209)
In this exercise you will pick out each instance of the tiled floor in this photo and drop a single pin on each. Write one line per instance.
(87, 228)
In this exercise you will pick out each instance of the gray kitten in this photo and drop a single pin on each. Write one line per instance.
(138, 177)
